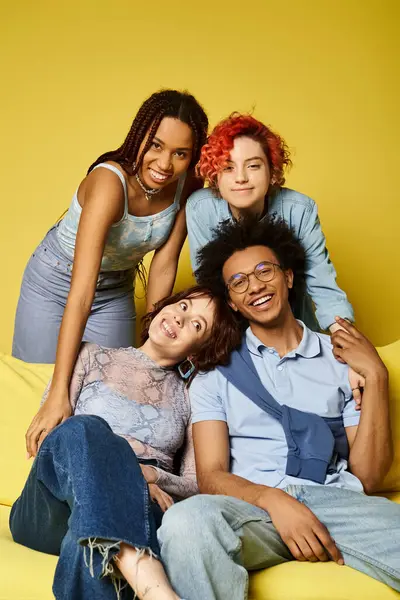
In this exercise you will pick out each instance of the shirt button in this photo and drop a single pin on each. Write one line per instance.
(270, 350)
(280, 368)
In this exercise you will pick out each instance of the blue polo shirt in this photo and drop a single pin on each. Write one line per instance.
(308, 378)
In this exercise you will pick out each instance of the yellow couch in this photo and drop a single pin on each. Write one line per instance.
(27, 575)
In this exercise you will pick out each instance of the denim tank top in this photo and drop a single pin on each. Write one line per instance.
(128, 240)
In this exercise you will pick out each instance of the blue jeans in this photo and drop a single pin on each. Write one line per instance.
(84, 495)
(208, 543)
(43, 297)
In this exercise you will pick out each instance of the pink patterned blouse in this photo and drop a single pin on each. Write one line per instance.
(146, 404)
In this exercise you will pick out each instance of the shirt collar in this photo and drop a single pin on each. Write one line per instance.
(309, 347)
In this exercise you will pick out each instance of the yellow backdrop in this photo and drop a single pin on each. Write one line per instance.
(323, 73)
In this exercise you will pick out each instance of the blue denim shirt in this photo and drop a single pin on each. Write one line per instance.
(204, 212)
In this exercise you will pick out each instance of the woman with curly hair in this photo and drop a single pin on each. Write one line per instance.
(244, 164)
(102, 480)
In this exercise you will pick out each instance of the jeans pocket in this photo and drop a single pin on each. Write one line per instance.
(46, 256)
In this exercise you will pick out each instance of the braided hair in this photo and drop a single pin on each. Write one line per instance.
(166, 103)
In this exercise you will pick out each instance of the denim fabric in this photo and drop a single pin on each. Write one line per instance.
(44, 292)
(208, 543)
(84, 495)
(205, 211)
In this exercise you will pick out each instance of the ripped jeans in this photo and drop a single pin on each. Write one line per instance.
(84, 495)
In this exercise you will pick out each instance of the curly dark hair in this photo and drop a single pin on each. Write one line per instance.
(232, 236)
(225, 334)
(165, 103)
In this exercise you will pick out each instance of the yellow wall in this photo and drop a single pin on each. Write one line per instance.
(323, 73)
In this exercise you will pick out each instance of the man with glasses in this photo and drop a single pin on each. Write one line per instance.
(281, 451)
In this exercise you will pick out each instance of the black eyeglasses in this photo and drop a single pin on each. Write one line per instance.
(264, 271)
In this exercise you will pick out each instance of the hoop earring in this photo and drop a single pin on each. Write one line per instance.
(185, 374)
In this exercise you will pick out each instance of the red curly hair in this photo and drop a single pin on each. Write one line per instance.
(215, 153)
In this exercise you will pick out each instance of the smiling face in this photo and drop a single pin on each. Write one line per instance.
(180, 329)
(245, 180)
(263, 303)
(169, 155)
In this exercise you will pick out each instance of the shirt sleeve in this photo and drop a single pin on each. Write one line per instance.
(320, 274)
(198, 226)
(78, 377)
(205, 400)
(351, 416)
(183, 485)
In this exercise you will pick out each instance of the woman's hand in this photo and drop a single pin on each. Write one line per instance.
(357, 381)
(149, 473)
(357, 384)
(158, 495)
(353, 348)
(55, 410)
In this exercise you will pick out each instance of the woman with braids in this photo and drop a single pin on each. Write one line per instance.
(79, 282)
(244, 163)
(102, 480)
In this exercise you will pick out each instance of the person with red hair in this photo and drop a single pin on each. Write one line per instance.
(244, 163)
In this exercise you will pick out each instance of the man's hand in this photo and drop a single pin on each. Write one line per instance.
(305, 536)
(352, 347)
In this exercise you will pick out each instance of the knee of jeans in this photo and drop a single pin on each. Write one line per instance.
(187, 522)
(79, 426)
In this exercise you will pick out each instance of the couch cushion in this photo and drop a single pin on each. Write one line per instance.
(24, 574)
(319, 581)
(391, 357)
(21, 387)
